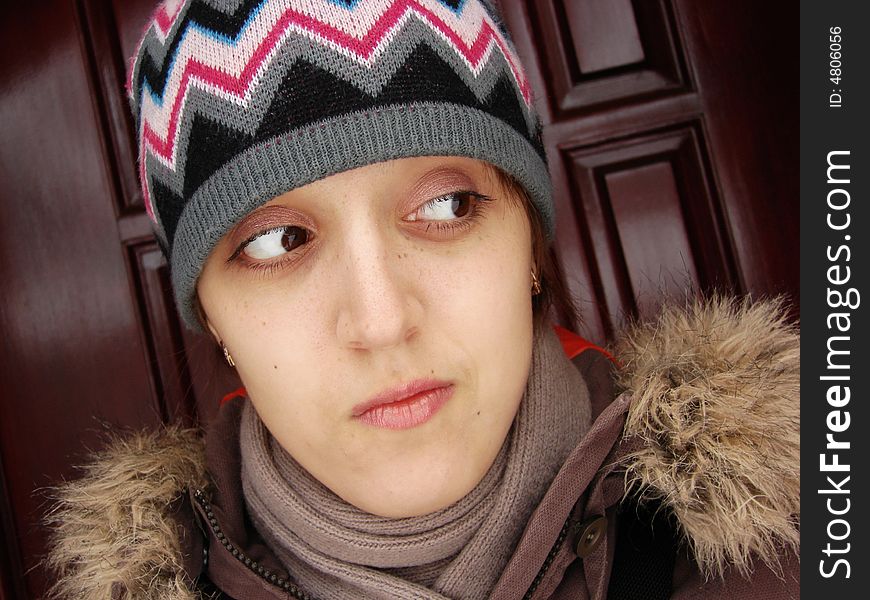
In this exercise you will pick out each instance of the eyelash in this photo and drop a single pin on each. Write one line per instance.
(460, 224)
(450, 227)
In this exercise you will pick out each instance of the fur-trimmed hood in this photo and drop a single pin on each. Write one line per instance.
(716, 404)
(713, 427)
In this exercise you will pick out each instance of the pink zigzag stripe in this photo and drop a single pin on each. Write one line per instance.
(164, 20)
(364, 48)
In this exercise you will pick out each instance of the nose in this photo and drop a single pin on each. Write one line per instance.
(380, 307)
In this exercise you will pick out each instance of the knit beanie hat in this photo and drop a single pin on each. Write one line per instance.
(238, 101)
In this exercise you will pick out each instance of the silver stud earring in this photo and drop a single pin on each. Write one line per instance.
(227, 356)
(536, 284)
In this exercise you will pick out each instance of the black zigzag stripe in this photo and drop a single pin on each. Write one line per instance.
(308, 94)
(169, 206)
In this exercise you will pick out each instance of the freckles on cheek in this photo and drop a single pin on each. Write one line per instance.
(469, 281)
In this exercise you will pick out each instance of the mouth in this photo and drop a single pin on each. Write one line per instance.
(405, 406)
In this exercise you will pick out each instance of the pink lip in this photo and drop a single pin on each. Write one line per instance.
(406, 405)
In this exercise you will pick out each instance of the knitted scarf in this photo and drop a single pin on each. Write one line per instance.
(334, 550)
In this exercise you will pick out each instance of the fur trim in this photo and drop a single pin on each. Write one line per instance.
(111, 534)
(716, 403)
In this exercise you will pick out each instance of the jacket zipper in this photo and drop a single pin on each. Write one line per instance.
(563, 535)
(252, 565)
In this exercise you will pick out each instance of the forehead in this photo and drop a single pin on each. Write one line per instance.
(398, 176)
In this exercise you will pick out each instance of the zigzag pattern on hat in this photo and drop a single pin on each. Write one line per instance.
(211, 68)
(305, 90)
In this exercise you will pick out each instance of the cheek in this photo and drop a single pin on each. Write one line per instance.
(283, 361)
(277, 342)
(482, 301)
(485, 287)
(287, 379)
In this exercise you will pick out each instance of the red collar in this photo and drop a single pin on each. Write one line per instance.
(573, 344)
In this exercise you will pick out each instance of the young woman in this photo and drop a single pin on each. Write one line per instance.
(354, 202)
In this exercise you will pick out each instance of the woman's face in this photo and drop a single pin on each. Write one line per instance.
(381, 322)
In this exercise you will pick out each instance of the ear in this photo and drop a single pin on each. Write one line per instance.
(203, 319)
(214, 334)
(207, 326)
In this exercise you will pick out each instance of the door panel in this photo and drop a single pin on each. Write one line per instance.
(647, 207)
(601, 52)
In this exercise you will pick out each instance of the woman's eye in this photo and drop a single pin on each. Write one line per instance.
(444, 208)
(275, 242)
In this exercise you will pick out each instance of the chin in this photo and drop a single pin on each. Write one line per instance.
(400, 497)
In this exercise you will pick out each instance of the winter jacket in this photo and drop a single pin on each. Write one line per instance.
(700, 421)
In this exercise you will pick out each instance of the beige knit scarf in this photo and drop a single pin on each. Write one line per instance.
(334, 550)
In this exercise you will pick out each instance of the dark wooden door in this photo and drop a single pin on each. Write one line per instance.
(672, 134)
(671, 129)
